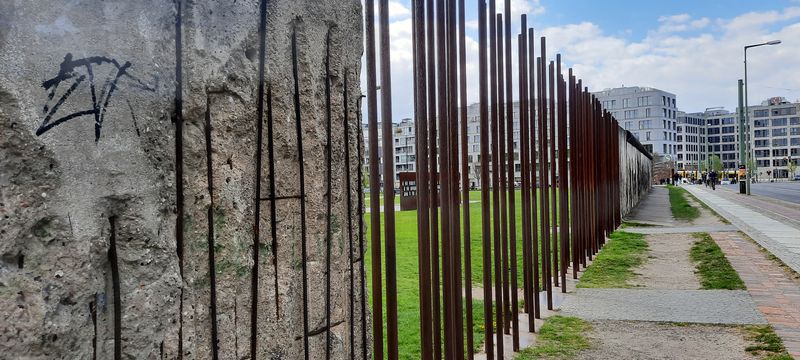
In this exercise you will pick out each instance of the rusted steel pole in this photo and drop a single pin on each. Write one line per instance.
(496, 181)
(423, 224)
(501, 156)
(552, 211)
(433, 180)
(444, 170)
(462, 66)
(486, 235)
(533, 104)
(563, 202)
(525, 177)
(544, 179)
(374, 182)
(511, 184)
(388, 182)
(455, 223)
(573, 188)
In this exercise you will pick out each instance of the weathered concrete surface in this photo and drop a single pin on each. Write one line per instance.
(77, 165)
(635, 169)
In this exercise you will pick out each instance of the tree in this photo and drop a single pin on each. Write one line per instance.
(716, 163)
(792, 167)
(752, 167)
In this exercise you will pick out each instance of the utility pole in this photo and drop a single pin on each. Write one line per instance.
(747, 111)
(744, 186)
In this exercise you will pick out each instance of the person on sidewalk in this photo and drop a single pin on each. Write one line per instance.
(712, 177)
(703, 179)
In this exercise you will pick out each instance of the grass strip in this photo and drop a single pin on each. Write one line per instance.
(612, 267)
(561, 337)
(768, 344)
(681, 209)
(712, 266)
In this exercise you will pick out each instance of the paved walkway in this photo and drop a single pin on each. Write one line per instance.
(774, 292)
(680, 230)
(692, 306)
(653, 208)
(779, 237)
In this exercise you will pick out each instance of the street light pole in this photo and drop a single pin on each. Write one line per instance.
(747, 112)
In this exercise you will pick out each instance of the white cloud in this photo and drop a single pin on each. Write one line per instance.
(681, 22)
(397, 10)
(698, 59)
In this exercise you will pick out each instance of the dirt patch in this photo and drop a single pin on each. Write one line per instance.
(668, 265)
(648, 340)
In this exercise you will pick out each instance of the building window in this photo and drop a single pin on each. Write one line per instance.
(779, 132)
(785, 111)
(794, 121)
(760, 123)
(779, 142)
(665, 148)
(779, 122)
(760, 113)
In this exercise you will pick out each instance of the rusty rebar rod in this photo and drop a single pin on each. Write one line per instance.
(501, 156)
(486, 235)
(563, 204)
(498, 284)
(374, 181)
(533, 116)
(525, 178)
(423, 224)
(465, 177)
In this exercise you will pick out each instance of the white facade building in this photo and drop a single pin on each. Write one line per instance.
(774, 131)
(650, 114)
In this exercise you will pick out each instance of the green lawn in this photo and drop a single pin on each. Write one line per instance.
(408, 275)
(681, 209)
(613, 266)
(560, 337)
(713, 268)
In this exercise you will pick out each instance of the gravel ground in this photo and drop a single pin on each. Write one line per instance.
(649, 340)
(668, 265)
(694, 306)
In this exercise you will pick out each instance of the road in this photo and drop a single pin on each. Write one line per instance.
(786, 191)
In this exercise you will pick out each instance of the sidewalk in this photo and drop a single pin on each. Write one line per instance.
(776, 295)
(780, 238)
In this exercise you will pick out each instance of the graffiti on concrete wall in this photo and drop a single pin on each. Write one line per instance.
(98, 70)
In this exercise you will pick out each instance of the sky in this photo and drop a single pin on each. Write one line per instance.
(692, 48)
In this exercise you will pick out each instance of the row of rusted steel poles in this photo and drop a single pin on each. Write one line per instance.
(569, 178)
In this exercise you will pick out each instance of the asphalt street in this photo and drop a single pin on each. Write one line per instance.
(786, 191)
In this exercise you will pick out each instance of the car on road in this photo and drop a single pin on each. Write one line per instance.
(725, 181)
(797, 177)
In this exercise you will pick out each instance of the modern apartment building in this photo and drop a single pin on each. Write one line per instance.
(404, 134)
(691, 142)
(774, 131)
(649, 113)
(405, 146)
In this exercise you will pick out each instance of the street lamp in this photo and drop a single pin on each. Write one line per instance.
(746, 110)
